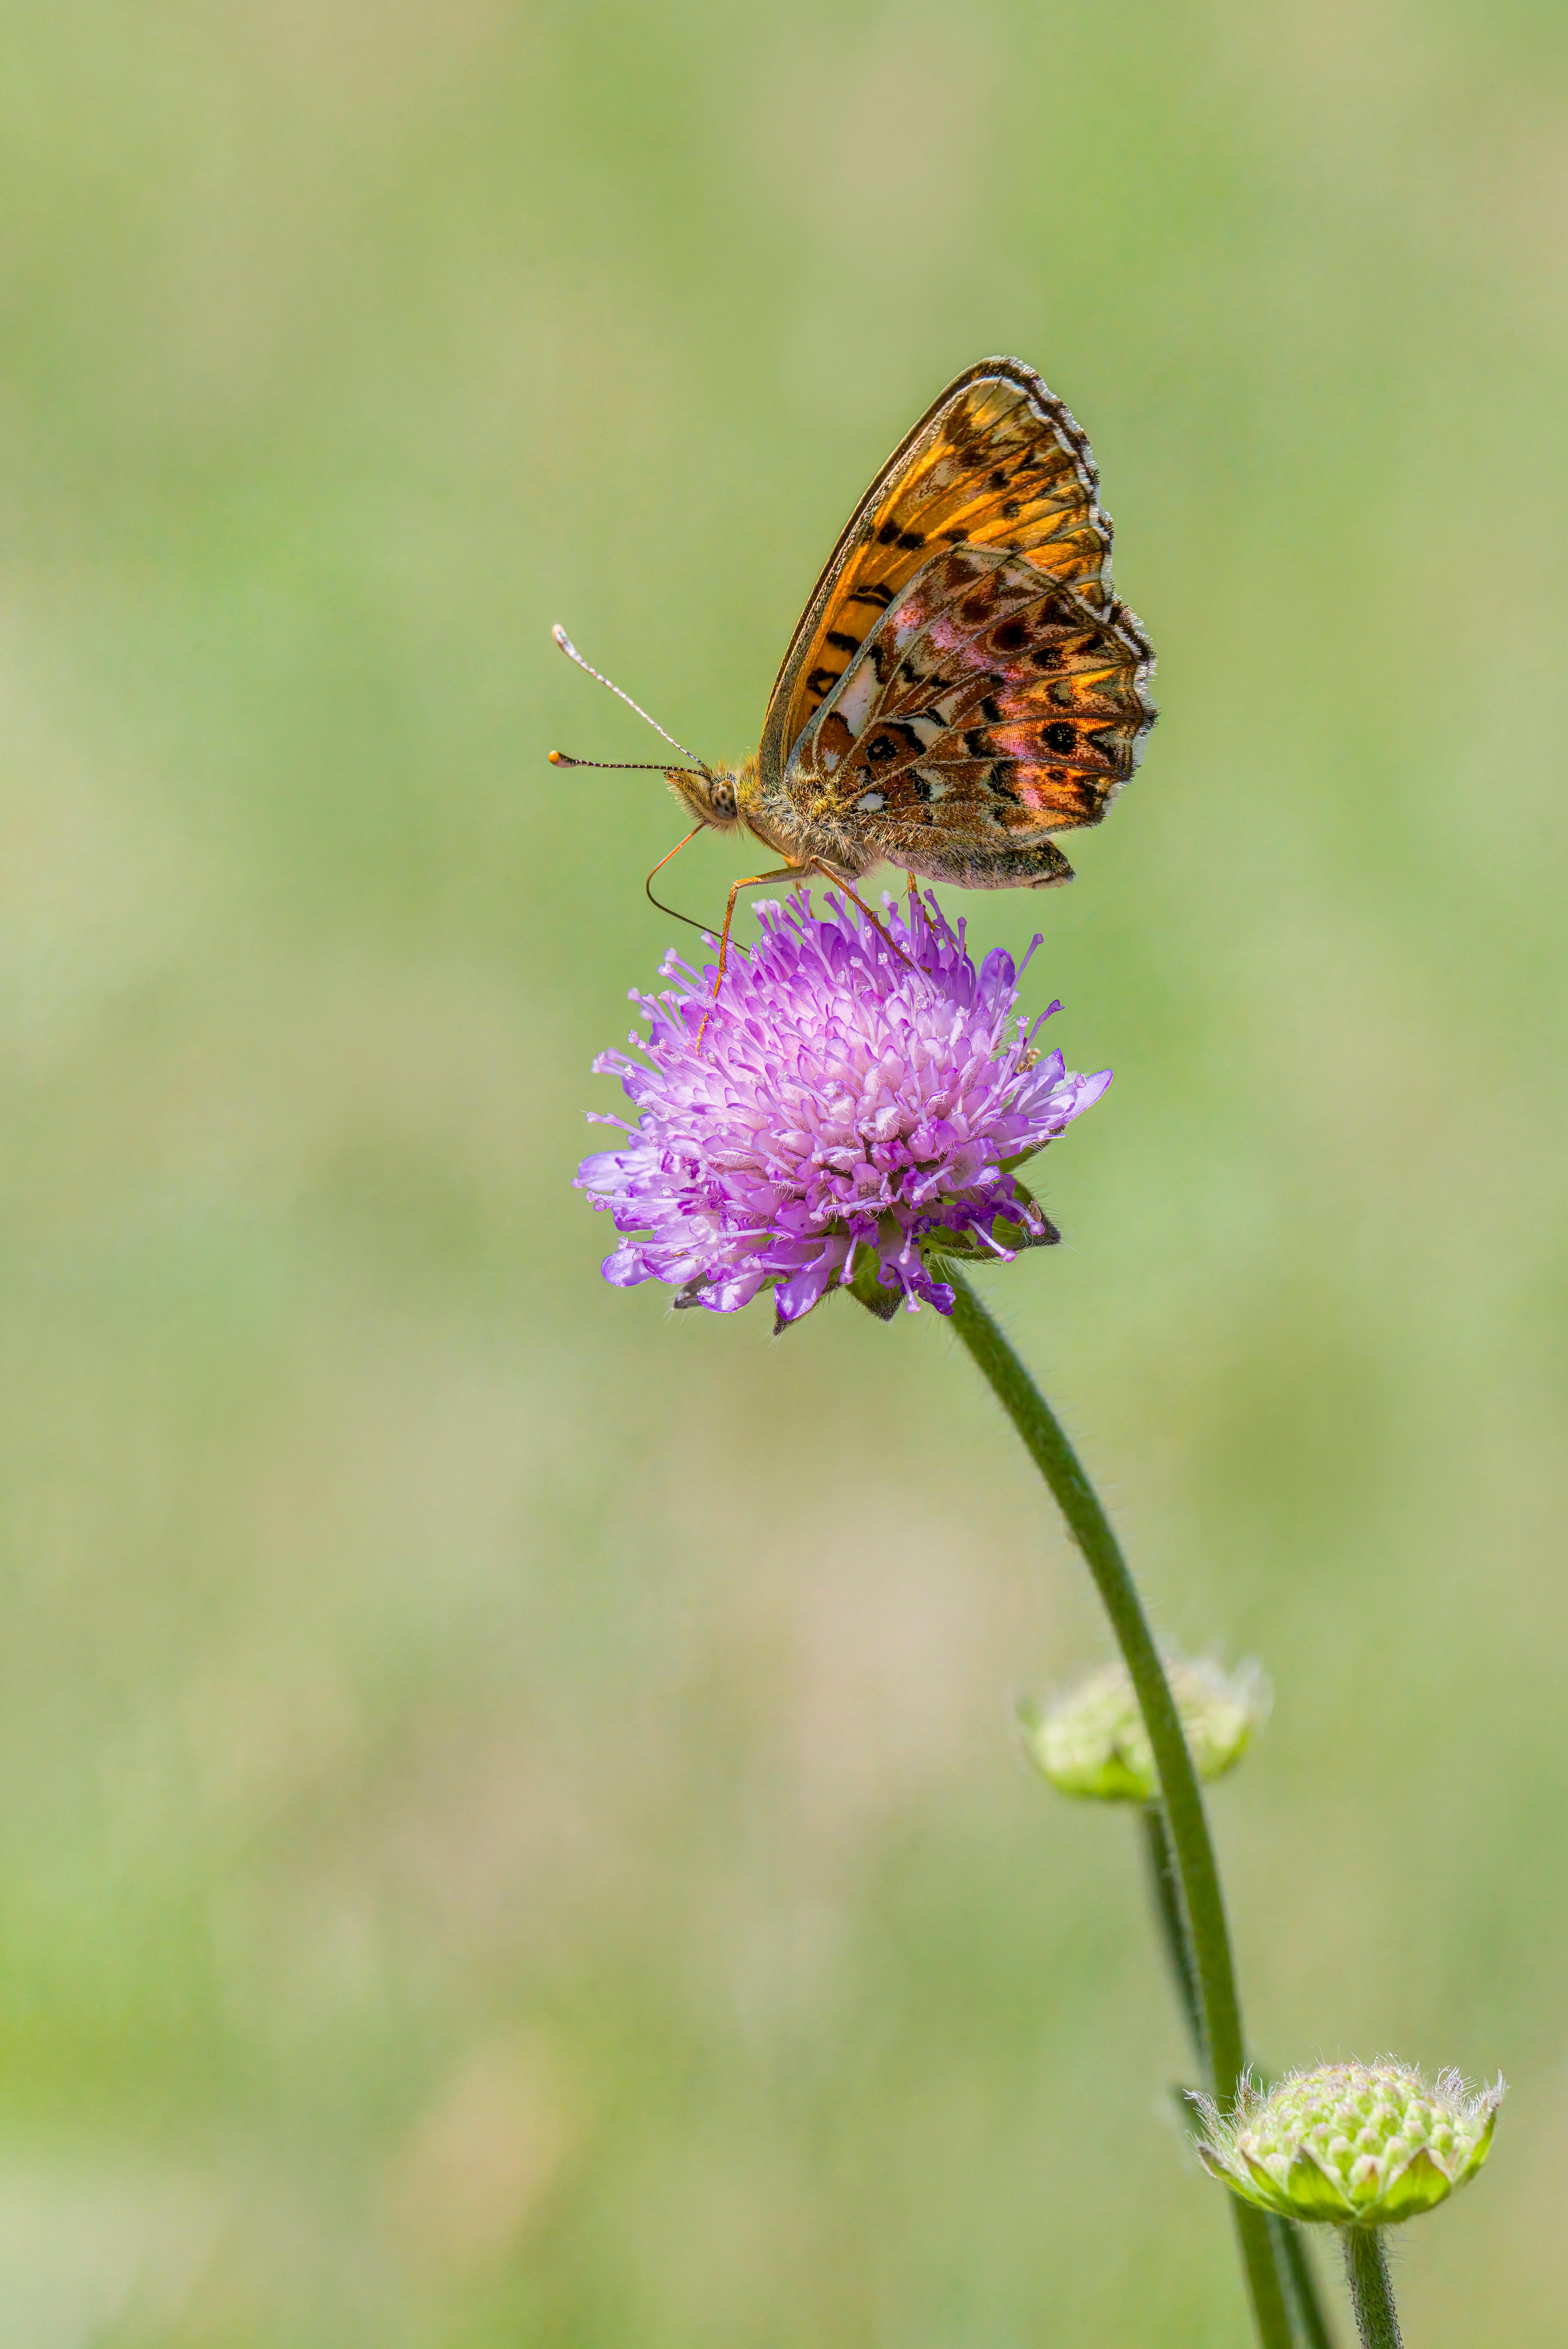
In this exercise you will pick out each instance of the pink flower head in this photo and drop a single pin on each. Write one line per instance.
(846, 1115)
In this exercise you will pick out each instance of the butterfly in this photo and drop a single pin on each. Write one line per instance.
(963, 683)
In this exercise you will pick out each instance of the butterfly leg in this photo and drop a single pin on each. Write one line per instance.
(840, 880)
(784, 873)
(796, 873)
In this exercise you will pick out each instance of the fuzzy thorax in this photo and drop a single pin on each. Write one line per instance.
(726, 798)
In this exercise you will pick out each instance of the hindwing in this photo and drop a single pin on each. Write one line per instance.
(988, 706)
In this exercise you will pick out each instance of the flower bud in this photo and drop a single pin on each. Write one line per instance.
(1357, 2145)
(1092, 1742)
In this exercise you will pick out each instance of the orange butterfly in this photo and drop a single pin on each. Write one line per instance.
(963, 683)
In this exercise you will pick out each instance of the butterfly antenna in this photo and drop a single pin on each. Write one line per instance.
(625, 766)
(559, 758)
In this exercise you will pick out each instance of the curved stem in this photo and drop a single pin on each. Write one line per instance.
(1208, 1936)
(1371, 2297)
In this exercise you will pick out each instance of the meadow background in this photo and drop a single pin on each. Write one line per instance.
(510, 1826)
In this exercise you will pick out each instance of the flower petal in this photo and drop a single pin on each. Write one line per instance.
(840, 1094)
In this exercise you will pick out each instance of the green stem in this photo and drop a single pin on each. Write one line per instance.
(1370, 2295)
(1087, 1522)
(1291, 2255)
(1166, 1887)
(1296, 2262)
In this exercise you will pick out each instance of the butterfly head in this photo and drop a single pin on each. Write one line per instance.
(715, 796)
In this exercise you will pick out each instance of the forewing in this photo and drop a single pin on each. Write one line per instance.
(997, 462)
(988, 707)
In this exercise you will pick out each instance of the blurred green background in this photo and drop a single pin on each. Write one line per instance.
(510, 1826)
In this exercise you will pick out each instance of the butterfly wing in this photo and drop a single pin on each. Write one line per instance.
(988, 707)
(997, 460)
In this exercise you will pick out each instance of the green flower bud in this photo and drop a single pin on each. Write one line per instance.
(1357, 2145)
(1092, 1742)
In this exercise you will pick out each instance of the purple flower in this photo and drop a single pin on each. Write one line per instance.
(846, 1116)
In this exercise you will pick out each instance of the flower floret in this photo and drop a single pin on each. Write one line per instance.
(847, 1116)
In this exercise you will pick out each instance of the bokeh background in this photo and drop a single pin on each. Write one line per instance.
(509, 1825)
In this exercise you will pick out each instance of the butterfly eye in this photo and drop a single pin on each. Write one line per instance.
(1059, 737)
(884, 747)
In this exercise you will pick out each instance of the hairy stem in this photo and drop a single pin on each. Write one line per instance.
(1209, 1940)
(1370, 2295)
